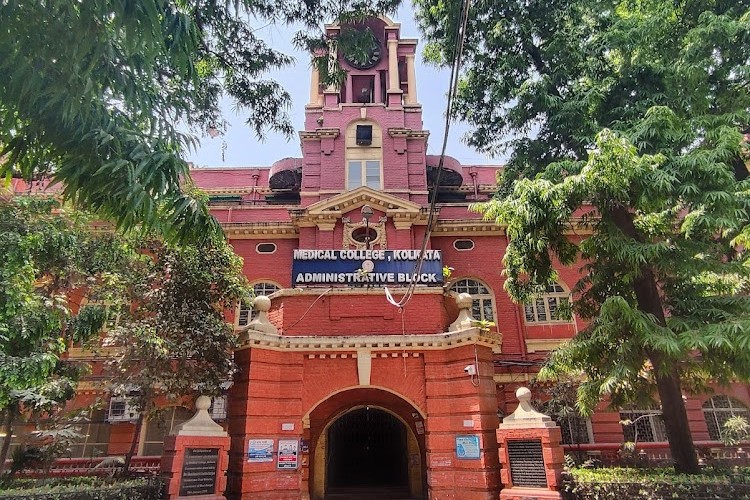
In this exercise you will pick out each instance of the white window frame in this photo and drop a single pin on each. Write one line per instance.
(127, 414)
(538, 311)
(362, 169)
(650, 418)
(169, 425)
(464, 249)
(569, 422)
(88, 447)
(218, 408)
(712, 413)
(245, 313)
(481, 295)
(257, 247)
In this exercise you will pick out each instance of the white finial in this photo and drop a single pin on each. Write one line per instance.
(201, 424)
(203, 403)
(465, 320)
(262, 303)
(525, 415)
(261, 323)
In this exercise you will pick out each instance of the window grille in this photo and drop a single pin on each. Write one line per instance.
(483, 302)
(646, 426)
(718, 410)
(575, 429)
(121, 410)
(546, 308)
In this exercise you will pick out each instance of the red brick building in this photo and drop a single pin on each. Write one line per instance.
(377, 397)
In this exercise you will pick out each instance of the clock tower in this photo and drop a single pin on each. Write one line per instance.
(367, 131)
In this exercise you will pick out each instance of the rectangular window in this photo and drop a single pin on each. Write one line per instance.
(643, 426)
(373, 174)
(354, 175)
(575, 430)
(363, 173)
(94, 436)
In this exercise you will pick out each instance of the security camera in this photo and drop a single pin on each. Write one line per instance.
(471, 370)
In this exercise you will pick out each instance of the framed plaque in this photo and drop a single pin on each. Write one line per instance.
(199, 471)
(527, 463)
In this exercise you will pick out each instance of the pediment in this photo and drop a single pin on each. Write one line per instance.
(351, 200)
(399, 209)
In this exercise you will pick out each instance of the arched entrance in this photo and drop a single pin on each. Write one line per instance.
(367, 454)
(366, 443)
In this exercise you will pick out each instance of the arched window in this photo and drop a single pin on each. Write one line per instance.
(245, 312)
(158, 428)
(483, 303)
(718, 410)
(546, 307)
(94, 436)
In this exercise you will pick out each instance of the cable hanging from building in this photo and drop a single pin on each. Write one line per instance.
(461, 27)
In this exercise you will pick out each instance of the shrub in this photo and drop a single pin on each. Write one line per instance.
(82, 488)
(655, 484)
(735, 430)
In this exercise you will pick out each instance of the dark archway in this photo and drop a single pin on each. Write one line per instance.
(367, 449)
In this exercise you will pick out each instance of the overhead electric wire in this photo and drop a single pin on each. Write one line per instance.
(461, 26)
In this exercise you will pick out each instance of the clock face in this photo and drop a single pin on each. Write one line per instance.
(365, 60)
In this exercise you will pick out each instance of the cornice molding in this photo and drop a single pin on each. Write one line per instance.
(408, 133)
(416, 342)
(256, 230)
(236, 190)
(467, 228)
(319, 133)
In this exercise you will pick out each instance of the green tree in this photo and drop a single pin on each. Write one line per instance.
(103, 95)
(627, 114)
(49, 257)
(174, 341)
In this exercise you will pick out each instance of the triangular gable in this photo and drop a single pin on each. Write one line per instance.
(351, 200)
(399, 209)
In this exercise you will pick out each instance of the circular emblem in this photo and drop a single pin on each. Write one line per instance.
(368, 266)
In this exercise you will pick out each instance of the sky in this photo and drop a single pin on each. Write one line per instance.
(242, 148)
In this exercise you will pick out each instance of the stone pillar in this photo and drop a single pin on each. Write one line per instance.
(315, 86)
(393, 84)
(331, 93)
(196, 457)
(411, 80)
(531, 453)
(394, 88)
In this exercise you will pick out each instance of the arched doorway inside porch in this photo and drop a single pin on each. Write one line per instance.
(367, 454)
(367, 443)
